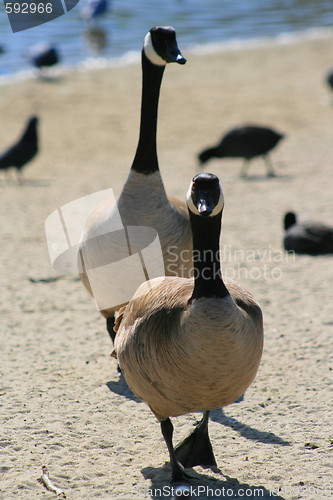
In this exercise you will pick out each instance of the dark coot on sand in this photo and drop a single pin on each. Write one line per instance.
(248, 142)
(329, 78)
(44, 55)
(313, 238)
(23, 151)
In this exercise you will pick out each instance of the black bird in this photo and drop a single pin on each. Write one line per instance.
(23, 151)
(313, 238)
(44, 55)
(329, 79)
(247, 141)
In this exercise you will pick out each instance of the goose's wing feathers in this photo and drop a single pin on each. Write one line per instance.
(245, 301)
(119, 318)
(163, 299)
(180, 206)
(152, 298)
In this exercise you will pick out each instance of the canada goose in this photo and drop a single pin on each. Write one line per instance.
(312, 238)
(143, 200)
(248, 142)
(186, 345)
(23, 151)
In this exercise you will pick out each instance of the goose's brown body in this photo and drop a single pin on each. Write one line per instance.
(175, 364)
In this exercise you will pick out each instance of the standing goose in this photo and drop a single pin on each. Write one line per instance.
(187, 345)
(312, 238)
(143, 200)
(248, 142)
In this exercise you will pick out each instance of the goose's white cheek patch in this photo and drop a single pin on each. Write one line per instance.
(217, 209)
(151, 52)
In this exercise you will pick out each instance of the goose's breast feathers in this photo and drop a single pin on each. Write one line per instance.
(162, 339)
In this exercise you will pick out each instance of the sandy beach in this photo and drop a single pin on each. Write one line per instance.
(63, 404)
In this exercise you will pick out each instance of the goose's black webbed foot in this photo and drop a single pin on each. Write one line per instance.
(196, 449)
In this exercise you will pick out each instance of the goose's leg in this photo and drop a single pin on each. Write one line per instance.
(269, 166)
(177, 471)
(245, 167)
(109, 326)
(196, 449)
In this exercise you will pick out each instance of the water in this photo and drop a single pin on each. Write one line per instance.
(197, 22)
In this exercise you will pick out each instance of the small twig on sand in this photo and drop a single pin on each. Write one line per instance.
(46, 481)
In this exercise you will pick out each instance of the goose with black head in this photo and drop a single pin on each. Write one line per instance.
(143, 200)
(186, 345)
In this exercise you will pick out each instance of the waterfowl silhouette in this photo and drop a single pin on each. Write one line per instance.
(187, 345)
(23, 151)
(307, 237)
(248, 142)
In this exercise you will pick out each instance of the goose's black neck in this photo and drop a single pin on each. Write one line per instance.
(145, 160)
(208, 280)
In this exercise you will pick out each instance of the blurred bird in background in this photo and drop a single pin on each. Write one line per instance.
(44, 55)
(248, 142)
(329, 78)
(23, 151)
(94, 9)
(313, 238)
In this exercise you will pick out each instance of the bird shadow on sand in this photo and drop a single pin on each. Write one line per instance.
(49, 75)
(121, 388)
(35, 182)
(25, 183)
(270, 178)
(204, 486)
(246, 431)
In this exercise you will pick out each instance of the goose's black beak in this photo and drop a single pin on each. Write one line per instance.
(165, 44)
(205, 204)
(205, 196)
(173, 54)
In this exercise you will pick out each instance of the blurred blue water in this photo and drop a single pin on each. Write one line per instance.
(196, 22)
